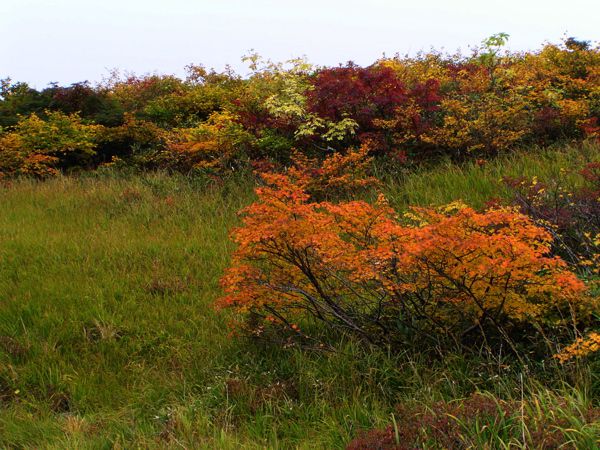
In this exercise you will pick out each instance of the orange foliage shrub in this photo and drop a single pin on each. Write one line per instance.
(432, 272)
(580, 348)
(338, 175)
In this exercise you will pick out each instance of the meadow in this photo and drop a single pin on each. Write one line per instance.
(109, 337)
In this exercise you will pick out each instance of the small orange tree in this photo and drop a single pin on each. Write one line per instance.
(360, 267)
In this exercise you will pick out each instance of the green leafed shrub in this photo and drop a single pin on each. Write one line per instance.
(40, 145)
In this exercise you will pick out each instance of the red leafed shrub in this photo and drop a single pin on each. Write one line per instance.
(432, 272)
(384, 439)
(427, 96)
(362, 93)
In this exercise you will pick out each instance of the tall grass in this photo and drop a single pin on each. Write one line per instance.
(478, 183)
(108, 337)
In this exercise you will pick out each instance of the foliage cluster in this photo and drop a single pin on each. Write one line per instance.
(39, 147)
(430, 274)
(408, 109)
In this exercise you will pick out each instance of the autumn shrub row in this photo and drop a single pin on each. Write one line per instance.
(408, 109)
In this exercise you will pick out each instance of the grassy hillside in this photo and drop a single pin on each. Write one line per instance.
(108, 337)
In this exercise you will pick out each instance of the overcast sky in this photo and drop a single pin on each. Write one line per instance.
(74, 40)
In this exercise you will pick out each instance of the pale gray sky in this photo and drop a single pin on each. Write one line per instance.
(76, 40)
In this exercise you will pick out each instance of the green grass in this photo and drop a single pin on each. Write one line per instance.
(476, 184)
(108, 337)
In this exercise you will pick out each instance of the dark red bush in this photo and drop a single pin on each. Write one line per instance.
(361, 93)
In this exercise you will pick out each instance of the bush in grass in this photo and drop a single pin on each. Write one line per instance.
(39, 146)
(438, 274)
(140, 143)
